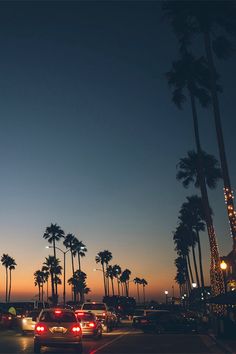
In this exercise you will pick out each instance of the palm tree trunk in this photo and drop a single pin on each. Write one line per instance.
(118, 287)
(188, 286)
(144, 297)
(39, 289)
(104, 280)
(195, 266)
(6, 285)
(72, 263)
(200, 259)
(190, 269)
(217, 281)
(112, 286)
(138, 292)
(79, 262)
(9, 292)
(220, 140)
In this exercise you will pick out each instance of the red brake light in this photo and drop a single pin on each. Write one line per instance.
(76, 329)
(92, 324)
(57, 312)
(40, 328)
(104, 314)
(79, 313)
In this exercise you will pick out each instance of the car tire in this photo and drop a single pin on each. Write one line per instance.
(37, 348)
(79, 348)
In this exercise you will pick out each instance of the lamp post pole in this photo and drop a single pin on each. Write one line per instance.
(223, 266)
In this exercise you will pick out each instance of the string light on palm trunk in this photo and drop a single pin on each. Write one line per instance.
(229, 201)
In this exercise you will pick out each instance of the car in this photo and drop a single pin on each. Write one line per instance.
(57, 327)
(6, 320)
(164, 321)
(143, 312)
(28, 321)
(91, 326)
(102, 313)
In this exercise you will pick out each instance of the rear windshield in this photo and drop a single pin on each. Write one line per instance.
(47, 316)
(94, 307)
(86, 317)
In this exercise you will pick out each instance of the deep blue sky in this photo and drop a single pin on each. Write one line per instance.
(89, 137)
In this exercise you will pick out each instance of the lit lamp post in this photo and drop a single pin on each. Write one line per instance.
(224, 266)
(64, 271)
(166, 294)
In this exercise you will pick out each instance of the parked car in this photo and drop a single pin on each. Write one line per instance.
(6, 320)
(143, 312)
(102, 313)
(57, 328)
(90, 324)
(28, 321)
(164, 321)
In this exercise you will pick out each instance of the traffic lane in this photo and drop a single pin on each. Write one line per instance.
(15, 342)
(148, 343)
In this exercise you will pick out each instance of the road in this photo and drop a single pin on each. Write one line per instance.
(124, 340)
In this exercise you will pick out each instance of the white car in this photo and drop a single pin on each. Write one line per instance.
(28, 322)
(102, 313)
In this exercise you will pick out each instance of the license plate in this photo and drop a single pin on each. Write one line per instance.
(58, 329)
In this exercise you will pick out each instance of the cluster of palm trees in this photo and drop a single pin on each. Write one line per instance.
(196, 79)
(52, 270)
(112, 272)
(9, 263)
(143, 283)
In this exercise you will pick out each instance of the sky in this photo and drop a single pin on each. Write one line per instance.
(90, 140)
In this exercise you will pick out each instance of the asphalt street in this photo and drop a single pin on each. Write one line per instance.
(121, 341)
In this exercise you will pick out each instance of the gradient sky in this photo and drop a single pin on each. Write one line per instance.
(89, 138)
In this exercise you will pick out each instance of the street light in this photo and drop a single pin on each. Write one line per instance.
(223, 266)
(166, 294)
(64, 271)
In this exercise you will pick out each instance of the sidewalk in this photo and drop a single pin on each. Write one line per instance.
(227, 345)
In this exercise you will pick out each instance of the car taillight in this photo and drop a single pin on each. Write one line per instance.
(40, 328)
(104, 314)
(76, 329)
(91, 324)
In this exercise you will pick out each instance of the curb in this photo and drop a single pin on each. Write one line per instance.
(221, 345)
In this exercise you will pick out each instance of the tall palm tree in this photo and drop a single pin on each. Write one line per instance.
(214, 20)
(45, 277)
(144, 283)
(12, 266)
(80, 249)
(181, 276)
(38, 280)
(6, 261)
(53, 234)
(54, 268)
(190, 172)
(182, 244)
(69, 243)
(124, 278)
(78, 282)
(104, 257)
(117, 273)
(137, 281)
(193, 76)
(192, 211)
(111, 273)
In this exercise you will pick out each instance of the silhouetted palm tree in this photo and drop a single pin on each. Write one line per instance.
(80, 250)
(189, 172)
(12, 266)
(137, 281)
(45, 277)
(69, 243)
(124, 278)
(54, 269)
(79, 286)
(181, 276)
(104, 257)
(6, 261)
(192, 212)
(111, 273)
(144, 283)
(38, 281)
(213, 20)
(117, 273)
(53, 234)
